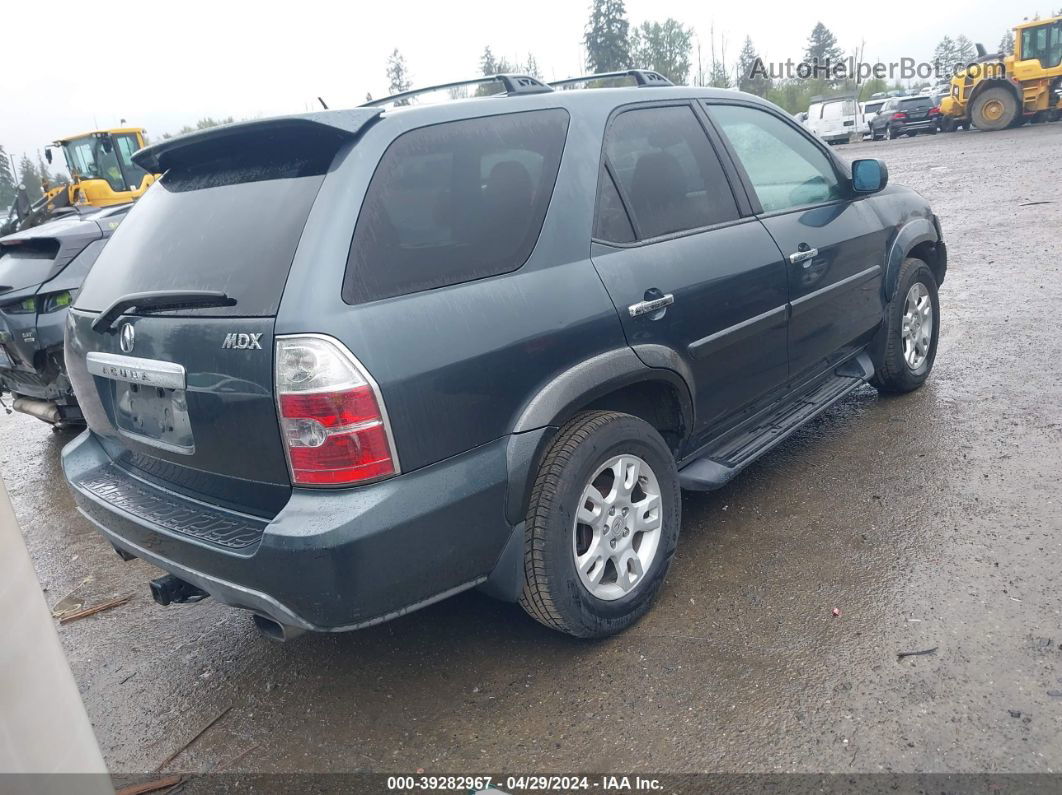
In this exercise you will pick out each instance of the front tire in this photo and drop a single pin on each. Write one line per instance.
(906, 346)
(601, 526)
(995, 109)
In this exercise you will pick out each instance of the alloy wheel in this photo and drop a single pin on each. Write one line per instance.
(617, 528)
(916, 332)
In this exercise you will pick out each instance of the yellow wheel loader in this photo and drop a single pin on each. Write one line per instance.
(102, 174)
(1000, 91)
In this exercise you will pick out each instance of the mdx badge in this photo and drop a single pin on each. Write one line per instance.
(126, 338)
(245, 342)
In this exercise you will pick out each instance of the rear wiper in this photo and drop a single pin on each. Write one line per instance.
(160, 300)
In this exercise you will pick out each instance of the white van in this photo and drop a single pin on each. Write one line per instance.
(834, 119)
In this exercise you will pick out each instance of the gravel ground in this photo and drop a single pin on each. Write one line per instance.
(930, 521)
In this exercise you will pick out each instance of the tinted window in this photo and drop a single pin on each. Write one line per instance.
(455, 202)
(230, 224)
(611, 222)
(785, 167)
(665, 165)
(1043, 43)
(127, 144)
(919, 103)
(26, 264)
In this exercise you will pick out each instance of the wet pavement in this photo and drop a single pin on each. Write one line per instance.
(932, 520)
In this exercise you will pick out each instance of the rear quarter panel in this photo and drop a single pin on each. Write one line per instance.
(456, 364)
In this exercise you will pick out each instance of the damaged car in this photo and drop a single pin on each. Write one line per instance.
(41, 271)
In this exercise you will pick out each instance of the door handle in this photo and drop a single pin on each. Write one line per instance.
(805, 255)
(648, 307)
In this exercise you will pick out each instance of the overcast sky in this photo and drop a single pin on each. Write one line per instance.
(164, 65)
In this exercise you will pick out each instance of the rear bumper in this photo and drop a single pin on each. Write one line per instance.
(331, 560)
(916, 126)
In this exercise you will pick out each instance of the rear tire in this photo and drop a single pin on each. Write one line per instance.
(578, 519)
(994, 109)
(904, 350)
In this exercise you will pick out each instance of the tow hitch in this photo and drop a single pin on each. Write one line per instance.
(169, 589)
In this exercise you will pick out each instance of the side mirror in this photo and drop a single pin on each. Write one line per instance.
(48, 155)
(869, 176)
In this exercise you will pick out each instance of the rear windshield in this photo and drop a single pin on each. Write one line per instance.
(26, 264)
(454, 202)
(921, 103)
(231, 224)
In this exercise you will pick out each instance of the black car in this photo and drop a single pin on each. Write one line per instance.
(338, 366)
(905, 116)
(41, 270)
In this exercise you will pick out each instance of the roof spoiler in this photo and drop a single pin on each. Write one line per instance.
(339, 125)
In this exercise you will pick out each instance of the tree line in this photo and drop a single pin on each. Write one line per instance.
(34, 175)
(674, 50)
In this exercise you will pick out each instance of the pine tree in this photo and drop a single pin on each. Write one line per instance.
(28, 176)
(488, 64)
(965, 52)
(532, 66)
(398, 79)
(751, 76)
(607, 39)
(945, 56)
(1006, 44)
(663, 47)
(822, 49)
(8, 187)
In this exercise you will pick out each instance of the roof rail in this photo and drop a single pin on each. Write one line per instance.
(514, 84)
(642, 77)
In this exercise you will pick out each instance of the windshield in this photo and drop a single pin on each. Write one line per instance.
(93, 157)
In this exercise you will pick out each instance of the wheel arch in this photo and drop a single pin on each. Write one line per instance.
(918, 238)
(617, 380)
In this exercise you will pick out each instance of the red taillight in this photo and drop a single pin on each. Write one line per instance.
(899, 115)
(934, 111)
(331, 415)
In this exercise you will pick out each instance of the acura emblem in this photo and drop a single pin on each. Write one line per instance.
(127, 337)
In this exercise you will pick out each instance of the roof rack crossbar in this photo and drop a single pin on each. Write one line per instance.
(514, 84)
(642, 77)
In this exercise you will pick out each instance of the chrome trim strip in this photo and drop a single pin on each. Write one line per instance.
(152, 372)
(735, 333)
(850, 281)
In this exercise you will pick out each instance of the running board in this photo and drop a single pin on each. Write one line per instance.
(737, 449)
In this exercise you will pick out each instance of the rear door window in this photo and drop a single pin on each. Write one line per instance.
(668, 172)
(230, 224)
(454, 202)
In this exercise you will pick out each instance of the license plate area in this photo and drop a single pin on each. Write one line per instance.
(155, 415)
(148, 398)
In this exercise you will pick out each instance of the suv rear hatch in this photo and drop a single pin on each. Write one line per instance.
(170, 341)
(916, 109)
